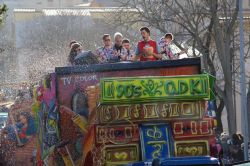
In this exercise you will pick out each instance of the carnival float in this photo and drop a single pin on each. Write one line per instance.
(121, 113)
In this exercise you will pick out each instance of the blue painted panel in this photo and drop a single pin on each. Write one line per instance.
(155, 141)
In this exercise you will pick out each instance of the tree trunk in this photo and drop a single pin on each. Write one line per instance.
(218, 111)
(231, 115)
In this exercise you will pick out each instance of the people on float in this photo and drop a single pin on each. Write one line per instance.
(127, 46)
(147, 49)
(76, 48)
(105, 53)
(119, 51)
(166, 48)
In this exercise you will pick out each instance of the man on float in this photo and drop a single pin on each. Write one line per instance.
(147, 49)
(126, 44)
(166, 49)
(105, 53)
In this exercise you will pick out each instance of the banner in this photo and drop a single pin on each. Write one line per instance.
(148, 89)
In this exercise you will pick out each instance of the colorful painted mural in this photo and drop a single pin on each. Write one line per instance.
(18, 138)
(46, 113)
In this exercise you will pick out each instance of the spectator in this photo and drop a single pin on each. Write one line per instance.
(71, 43)
(106, 53)
(147, 49)
(225, 140)
(236, 149)
(76, 48)
(126, 45)
(119, 50)
(166, 49)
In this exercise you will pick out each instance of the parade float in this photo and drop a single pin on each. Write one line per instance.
(120, 113)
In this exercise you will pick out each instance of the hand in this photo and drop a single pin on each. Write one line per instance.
(116, 53)
(99, 58)
(123, 57)
(135, 58)
(158, 56)
(183, 51)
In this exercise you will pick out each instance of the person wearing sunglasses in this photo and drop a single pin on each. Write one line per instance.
(105, 53)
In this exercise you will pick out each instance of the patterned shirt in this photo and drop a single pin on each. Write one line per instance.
(166, 50)
(108, 55)
(105, 54)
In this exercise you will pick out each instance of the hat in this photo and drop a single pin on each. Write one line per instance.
(169, 34)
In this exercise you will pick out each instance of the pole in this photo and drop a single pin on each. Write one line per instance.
(60, 3)
(244, 117)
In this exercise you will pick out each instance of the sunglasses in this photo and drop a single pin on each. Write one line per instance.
(107, 39)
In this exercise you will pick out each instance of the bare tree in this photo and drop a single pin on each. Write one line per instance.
(3, 10)
(210, 26)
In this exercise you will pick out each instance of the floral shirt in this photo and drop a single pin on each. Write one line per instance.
(168, 54)
(105, 54)
(166, 50)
